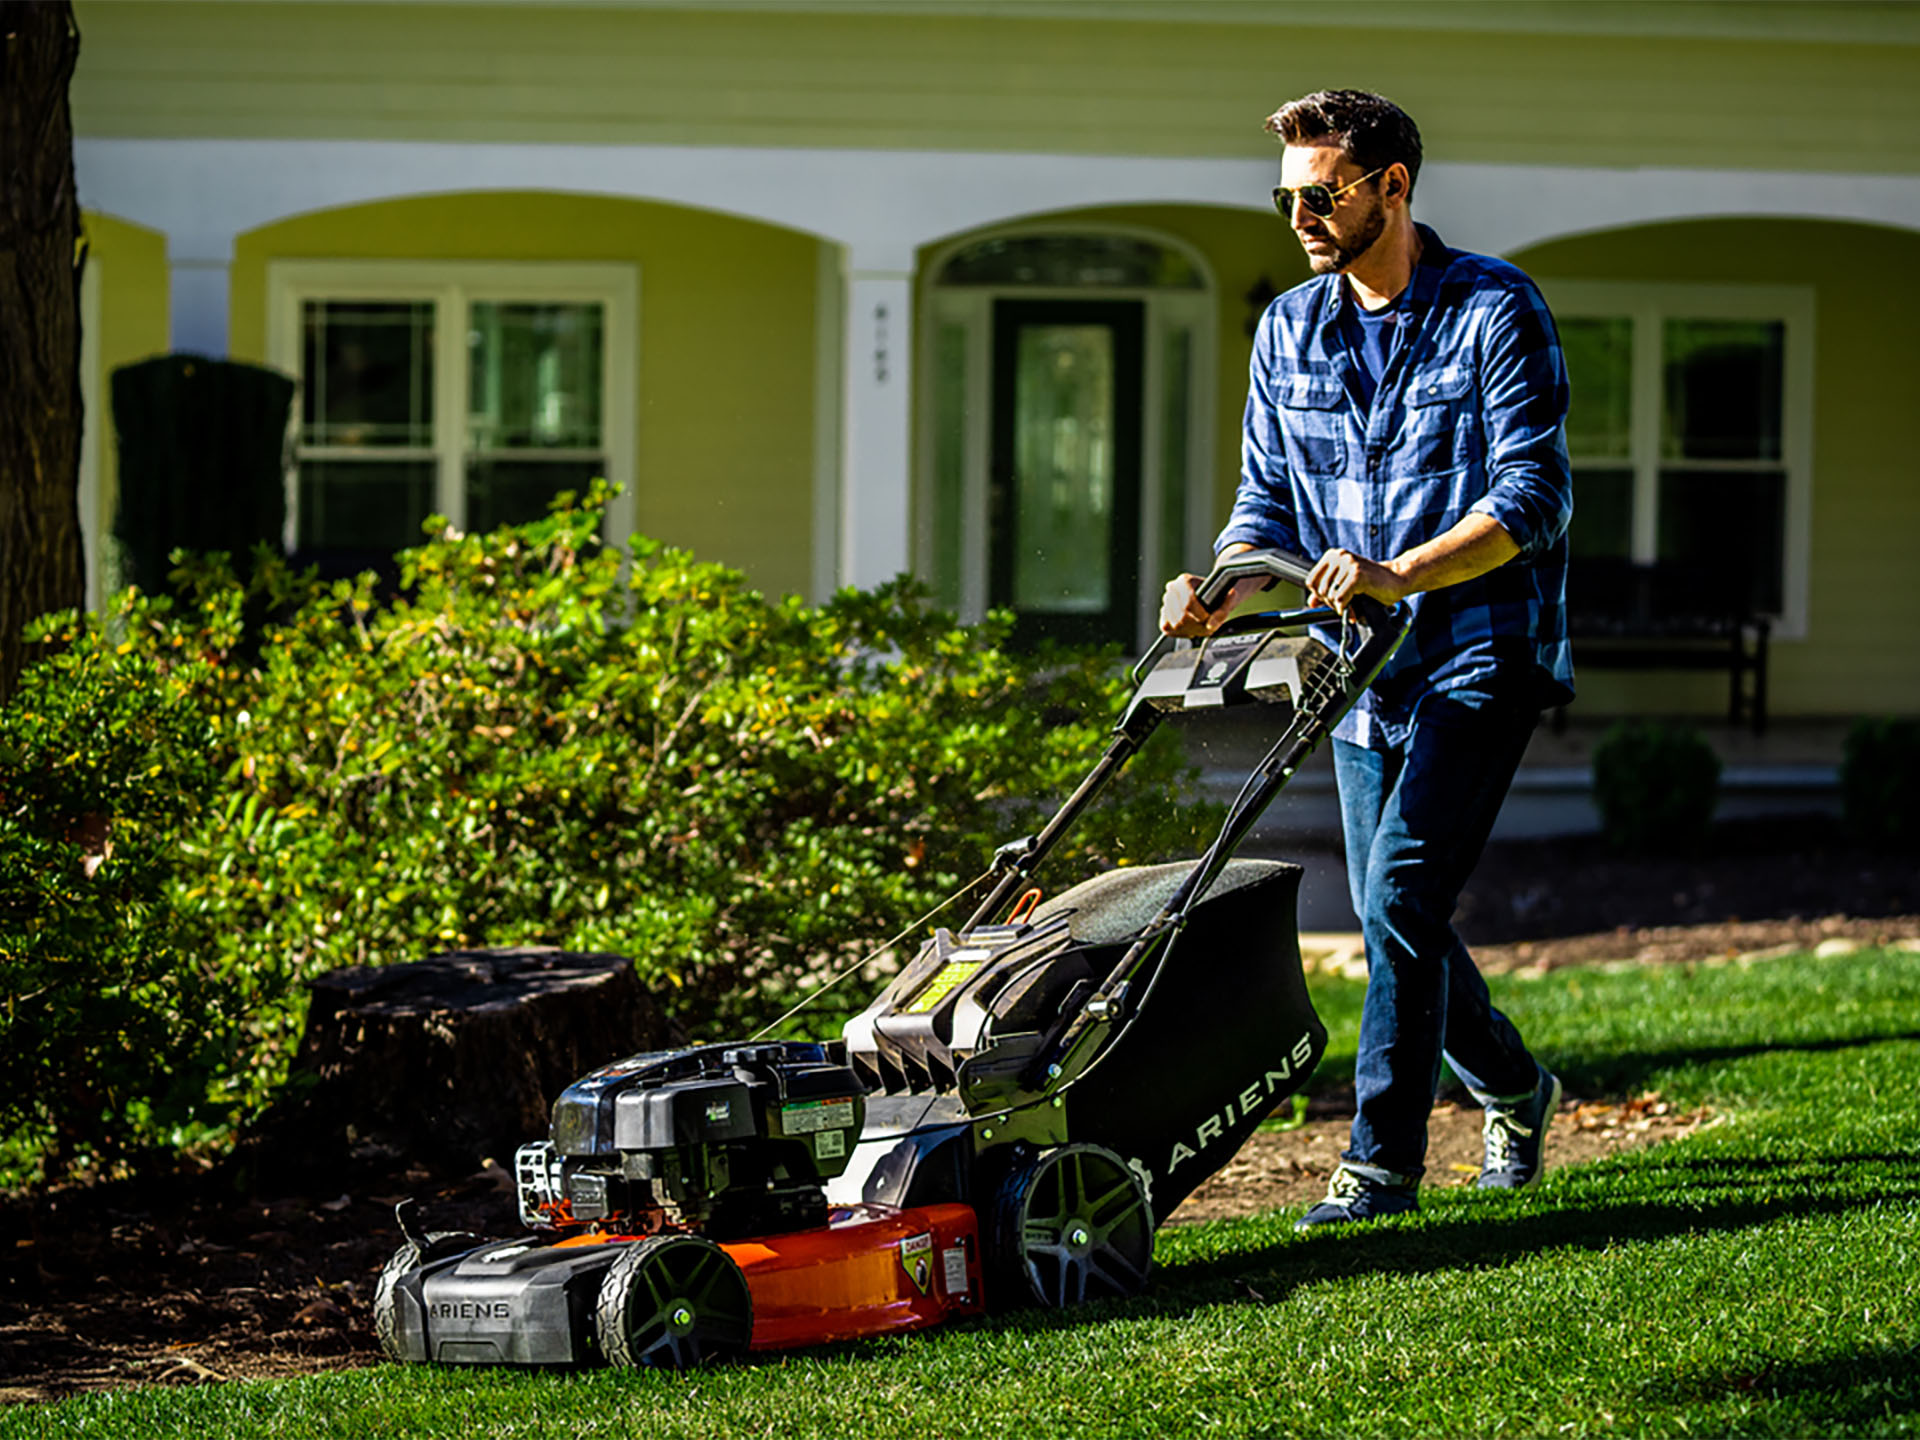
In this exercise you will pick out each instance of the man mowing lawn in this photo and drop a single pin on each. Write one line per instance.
(1405, 424)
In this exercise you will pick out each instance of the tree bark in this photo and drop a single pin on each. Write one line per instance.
(42, 554)
(447, 1062)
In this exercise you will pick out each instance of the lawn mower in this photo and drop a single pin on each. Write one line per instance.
(1007, 1122)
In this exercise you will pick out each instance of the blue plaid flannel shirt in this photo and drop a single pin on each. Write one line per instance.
(1470, 418)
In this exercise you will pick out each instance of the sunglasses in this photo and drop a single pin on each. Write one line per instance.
(1318, 199)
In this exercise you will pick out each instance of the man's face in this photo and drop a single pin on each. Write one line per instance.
(1335, 241)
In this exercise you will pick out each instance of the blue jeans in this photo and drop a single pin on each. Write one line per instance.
(1416, 820)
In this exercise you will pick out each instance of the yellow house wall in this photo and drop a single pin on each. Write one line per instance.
(724, 419)
(131, 262)
(1722, 86)
(1861, 653)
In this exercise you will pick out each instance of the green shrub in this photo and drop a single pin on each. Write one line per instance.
(1655, 785)
(1880, 781)
(103, 1007)
(538, 740)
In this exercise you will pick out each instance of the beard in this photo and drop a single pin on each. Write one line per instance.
(1350, 247)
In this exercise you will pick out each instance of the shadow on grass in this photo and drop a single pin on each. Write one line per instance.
(1629, 1072)
(1641, 1207)
(1845, 1392)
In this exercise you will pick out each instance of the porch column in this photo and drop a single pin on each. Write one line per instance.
(876, 449)
(201, 277)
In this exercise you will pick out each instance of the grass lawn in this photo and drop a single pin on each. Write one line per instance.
(1761, 1277)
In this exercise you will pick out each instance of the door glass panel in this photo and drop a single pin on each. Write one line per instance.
(534, 376)
(1723, 389)
(1599, 355)
(1176, 371)
(1063, 469)
(1726, 530)
(367, 372)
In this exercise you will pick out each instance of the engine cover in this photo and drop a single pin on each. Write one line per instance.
(726, 1139)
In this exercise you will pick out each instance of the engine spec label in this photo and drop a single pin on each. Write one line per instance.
(804, 1117)
(953, 1262)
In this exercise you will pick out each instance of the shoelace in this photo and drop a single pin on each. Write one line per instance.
(1345, 1186)
(1501, 1134)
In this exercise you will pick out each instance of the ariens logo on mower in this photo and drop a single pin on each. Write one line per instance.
(1253, 1098)
(470, 1310)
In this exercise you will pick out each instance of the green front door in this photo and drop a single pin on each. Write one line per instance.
(1064, 491)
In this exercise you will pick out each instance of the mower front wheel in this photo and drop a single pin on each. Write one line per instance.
(673, 1301)
(1069, 1225)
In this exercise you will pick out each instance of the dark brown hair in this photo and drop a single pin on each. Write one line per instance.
(1370, 129)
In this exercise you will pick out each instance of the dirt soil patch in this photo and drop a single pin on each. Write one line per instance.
(187, 1280)
(1292, 1167)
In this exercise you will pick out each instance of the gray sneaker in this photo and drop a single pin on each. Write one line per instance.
(1515, 1132)
(1352, 1195)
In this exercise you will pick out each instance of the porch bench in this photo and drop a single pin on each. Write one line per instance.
(1622, 616)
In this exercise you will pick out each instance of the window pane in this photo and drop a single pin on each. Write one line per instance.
(368, 372)
(1723, 382)
(512, 492)
(364, 505)
(1728, 530)
(1071, 260)
(1063, 470)
(949, 458)
(1602, 526)
(1599, 355)
(535, 376)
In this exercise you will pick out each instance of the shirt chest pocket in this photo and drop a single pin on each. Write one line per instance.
(1442, 425)
(1313, 416)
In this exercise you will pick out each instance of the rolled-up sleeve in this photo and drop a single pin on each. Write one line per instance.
(1524, 391)
(1263, 513)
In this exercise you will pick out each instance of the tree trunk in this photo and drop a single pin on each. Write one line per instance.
(448, 1062)
(42, 555)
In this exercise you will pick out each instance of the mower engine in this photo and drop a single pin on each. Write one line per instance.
(726, 1140)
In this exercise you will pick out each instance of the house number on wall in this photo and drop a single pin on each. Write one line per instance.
(880, 344)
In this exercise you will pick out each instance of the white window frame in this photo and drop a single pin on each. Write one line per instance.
(971, 307)
(453, 286)
(1649, 306)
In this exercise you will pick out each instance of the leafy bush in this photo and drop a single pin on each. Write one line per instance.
(102, 765)
(1880, 781)
(537, 740)
(1655, 785)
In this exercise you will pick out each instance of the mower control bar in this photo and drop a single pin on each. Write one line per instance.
(1366, 612)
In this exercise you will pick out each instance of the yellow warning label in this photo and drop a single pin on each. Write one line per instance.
(916, 1258)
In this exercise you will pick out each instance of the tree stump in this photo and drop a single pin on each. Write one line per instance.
(450, 1061)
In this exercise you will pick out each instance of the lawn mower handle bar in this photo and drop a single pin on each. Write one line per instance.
(1368, 613)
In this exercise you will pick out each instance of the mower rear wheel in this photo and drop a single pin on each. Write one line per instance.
(673, 1301)
(1072, 1224)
